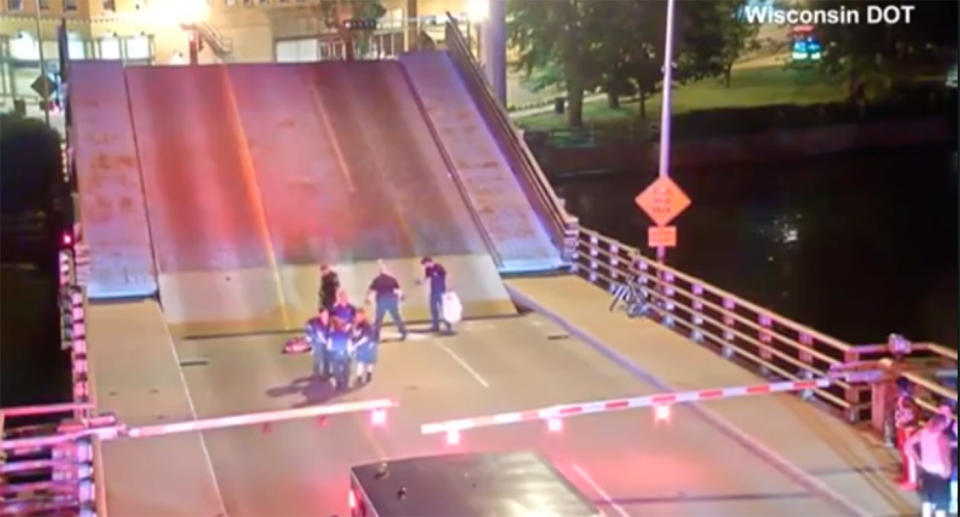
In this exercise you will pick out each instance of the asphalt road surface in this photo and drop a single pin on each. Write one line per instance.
(625, 462)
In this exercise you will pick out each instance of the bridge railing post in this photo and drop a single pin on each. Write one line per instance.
(766, 340)
(728, 322)
(851, 393)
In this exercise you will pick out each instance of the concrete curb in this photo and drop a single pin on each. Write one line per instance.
(743, 438)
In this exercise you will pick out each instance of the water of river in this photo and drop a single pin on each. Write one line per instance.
(855, 245)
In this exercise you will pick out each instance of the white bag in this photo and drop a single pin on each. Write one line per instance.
(452, 308)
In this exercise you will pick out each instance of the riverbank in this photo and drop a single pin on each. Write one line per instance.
(758, 148)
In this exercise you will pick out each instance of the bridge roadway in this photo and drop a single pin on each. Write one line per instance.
(623, 461)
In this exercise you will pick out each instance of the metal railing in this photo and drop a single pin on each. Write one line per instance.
(775, 345)
(563, 226)
(64, 474)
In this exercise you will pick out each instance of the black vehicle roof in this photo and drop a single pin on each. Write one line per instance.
(471, 485)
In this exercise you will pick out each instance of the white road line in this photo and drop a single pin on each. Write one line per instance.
(596, 487)
(466, 366)
(193, 413)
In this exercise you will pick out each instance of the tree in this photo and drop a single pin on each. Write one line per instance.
(873, 53)
(553, 34)
(715, 37)
(30, 174)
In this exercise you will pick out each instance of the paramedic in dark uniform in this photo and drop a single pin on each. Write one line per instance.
(436, 274)
(385, 291)
(329, 285)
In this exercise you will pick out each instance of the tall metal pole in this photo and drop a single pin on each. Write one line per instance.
(43, 65)
(665, 108)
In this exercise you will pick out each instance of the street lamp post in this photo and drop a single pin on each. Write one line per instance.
(43, 66)
(664, 171)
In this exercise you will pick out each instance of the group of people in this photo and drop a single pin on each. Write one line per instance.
(337, 316)
(928, 451)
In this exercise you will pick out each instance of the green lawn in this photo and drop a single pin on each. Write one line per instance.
(748, 87)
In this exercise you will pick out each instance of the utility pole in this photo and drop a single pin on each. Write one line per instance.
(665, 108)
(43, 66)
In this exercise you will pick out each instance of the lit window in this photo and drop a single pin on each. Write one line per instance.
(14, 5)
(138, 47)
(24, 47)
(110, 48)
(76, 49)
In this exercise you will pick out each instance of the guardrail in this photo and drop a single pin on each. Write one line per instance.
(776, 345)
(563, 225)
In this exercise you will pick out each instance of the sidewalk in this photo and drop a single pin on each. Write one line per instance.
(821, 451)
(136, 375)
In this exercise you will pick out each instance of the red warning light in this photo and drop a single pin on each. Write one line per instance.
(353, 500)
(555, 425)
(378, 417)
(661, 413)
(67, 239)
(453, 437)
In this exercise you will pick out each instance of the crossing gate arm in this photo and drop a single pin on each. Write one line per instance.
(606, 406)
(112, 432)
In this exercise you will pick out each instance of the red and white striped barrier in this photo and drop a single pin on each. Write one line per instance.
(606, 406)
(47, 409)
(112, 432)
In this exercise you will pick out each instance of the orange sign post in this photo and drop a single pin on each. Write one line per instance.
(665, 236)
(663, 201)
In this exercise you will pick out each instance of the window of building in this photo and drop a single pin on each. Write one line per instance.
(24, 47)
(14, 5)
(110, 48)
(44, 4)
(70, 5)
(138, 47)
(76, 48)
(109, 5)
(297, 50)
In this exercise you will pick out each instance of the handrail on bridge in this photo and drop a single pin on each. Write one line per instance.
(712, 316)
(563, 225)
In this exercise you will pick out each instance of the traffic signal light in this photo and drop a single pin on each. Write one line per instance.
(360, 25)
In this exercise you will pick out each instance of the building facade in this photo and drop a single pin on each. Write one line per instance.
(153, 32)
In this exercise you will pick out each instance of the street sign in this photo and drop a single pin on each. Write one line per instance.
(665, 236)
(663, 201)
(37, 86)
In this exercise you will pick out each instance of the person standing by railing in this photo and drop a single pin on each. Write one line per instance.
(905, 421)
(934, 463)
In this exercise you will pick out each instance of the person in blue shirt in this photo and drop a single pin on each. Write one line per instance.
(436, 275)
(385, 291)
(316, 332)
(366, 345)
(342, 309)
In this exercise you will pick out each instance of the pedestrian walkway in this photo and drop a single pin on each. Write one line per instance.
(835, 458)
(136, 375)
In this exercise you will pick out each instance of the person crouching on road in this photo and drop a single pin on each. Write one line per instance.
(436, 275)
(936, 466)
(316, 332)
(385, 291)
(367, 346)
(329, 285)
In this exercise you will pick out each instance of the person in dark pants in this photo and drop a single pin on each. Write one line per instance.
(385, 290)
(436, 275)
(930, 449)
(329, 285)
(342, 309)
